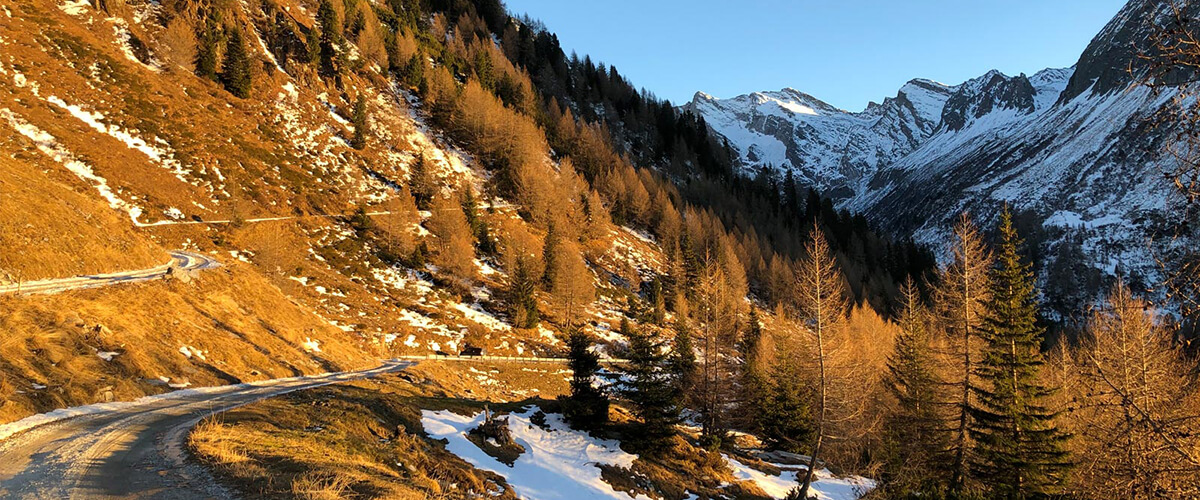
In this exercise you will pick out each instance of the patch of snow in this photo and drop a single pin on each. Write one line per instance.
(825, 485)
(559, 463)
(123, 36)
(311, 345)
(76, 7)
(478, 315)
(190, 352)
(107, 355)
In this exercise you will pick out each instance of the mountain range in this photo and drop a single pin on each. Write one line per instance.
(1070, 146)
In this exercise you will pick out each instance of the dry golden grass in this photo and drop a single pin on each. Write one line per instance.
(317, 486)
(246, 328)
(498, 382)
(53, 226)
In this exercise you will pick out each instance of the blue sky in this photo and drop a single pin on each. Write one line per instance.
(846, 52)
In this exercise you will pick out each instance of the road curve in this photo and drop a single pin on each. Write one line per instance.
(180, 261)
(136, 450)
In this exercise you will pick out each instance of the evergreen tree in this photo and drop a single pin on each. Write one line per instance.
(550, 254)
(312, 45)
(657, 297)
(1020, 450)
(682, 362)
(479, 226)
(235, 71)
(522, 300)
(331, 39)
(649, 388)
(587, 406)
(791, 198)
(361, 127)
(755, 387)
(421, 182)
(414, 71)
(785, 419)
(912, 431)
(206, 51)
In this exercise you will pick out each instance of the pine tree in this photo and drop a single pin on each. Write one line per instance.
(236, 74)
(571, 282)
(361, 126)
(312, 45)
(785, 419)
(649, 388)
(522, 299)
(479, 226)
(206, 52)
(683, 357)
(755, 389)
(658, 300)
(716, 311)
(421, 182)
(331, 39)
(550, 253)
(453, 243)
(1020, 449)
(587, 406)
(1137, 396)
(414, 71)
(912, 379)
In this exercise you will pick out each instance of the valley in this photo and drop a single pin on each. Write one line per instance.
(324, 249)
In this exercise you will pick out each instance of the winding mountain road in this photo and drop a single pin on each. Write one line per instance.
(135, 449)
(180, 261)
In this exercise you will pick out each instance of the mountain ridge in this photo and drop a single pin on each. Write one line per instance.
(1068, 145)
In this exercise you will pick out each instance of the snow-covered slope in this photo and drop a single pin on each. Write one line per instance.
(1069, 144)
(825, 146)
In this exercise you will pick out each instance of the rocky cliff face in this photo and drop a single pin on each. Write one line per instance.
(1067, 145)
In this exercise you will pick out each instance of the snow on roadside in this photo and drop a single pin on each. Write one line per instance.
(824, 487)
(559, 463)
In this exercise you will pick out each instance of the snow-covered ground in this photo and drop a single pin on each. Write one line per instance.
(825, 486)
(559, 463)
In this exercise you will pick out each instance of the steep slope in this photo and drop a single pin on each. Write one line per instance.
(119, 151)
(1069, 146)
